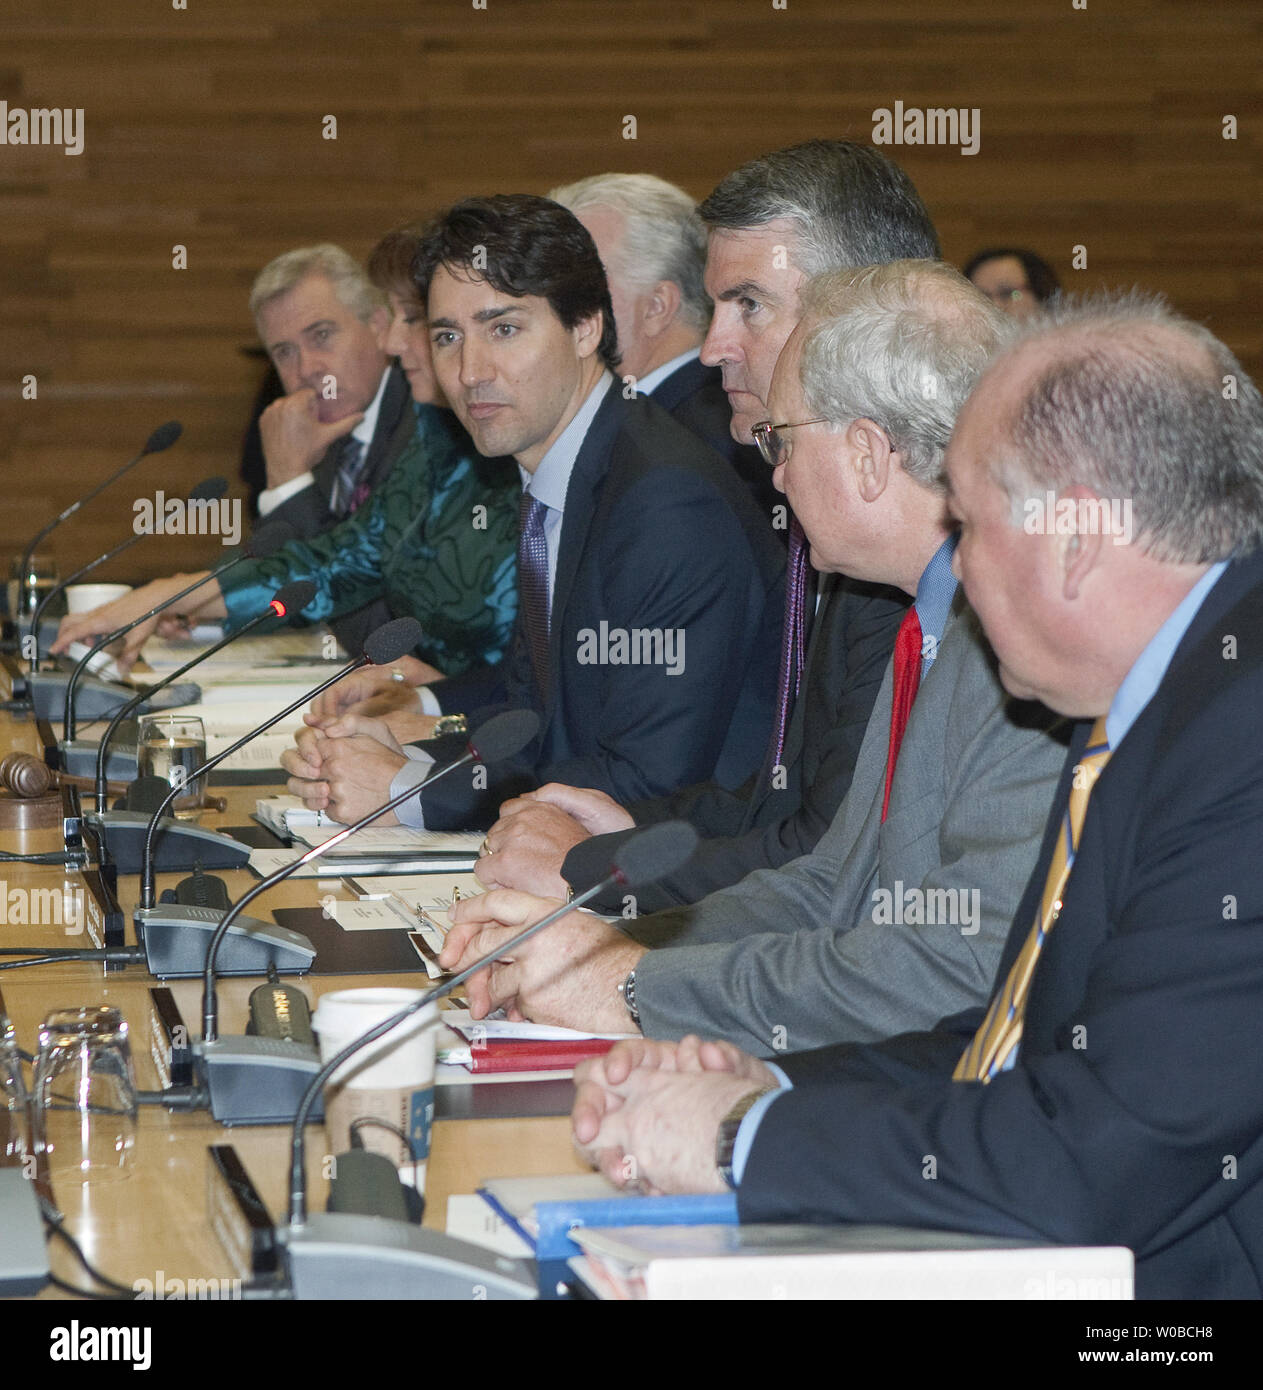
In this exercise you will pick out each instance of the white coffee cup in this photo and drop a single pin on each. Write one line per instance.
(391, 1079)
(83, 598)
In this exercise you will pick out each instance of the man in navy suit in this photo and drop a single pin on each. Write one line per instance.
(650, 603)
(1107, 474)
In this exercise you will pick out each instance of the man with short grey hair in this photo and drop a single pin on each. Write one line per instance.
(899, 913)
(1112, 1091)
(345, 417)
(653, 247)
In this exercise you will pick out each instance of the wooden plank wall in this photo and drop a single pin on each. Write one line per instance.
(1100, 126)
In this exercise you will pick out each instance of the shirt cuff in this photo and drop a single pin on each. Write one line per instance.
(411, 774)
(272, 497)
(429, 701)
(751, 1121)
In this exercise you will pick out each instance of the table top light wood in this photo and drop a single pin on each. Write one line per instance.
(155, 1218)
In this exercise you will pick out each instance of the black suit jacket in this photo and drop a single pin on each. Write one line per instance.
(1134, 1115)
(657, 534)
(694, 394)
(308, 511)
(770, 821)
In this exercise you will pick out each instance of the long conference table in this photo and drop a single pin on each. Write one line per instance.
(156, 1217)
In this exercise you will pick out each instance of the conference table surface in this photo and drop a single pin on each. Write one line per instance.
(155, 1218)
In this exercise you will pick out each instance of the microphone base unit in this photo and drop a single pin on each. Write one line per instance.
(99, 699)
(176, 937)
(77, 758)
(346, 1257)
(23, 1251)
(178, 845)
(256, 1081)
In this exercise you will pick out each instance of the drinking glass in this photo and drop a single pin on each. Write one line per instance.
(171, 746)
(14, 1110)
(26, 590)
(84, 1099)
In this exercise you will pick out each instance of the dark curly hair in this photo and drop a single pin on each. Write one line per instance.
(523, 245)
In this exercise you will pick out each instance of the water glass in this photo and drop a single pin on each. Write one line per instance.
(84, 1098)
(171, 746)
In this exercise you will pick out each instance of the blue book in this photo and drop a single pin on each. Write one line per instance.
(543, 1211)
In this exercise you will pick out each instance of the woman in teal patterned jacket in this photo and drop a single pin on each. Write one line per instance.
(437, 540)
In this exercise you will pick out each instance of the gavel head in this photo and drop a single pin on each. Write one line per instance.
(25, 775)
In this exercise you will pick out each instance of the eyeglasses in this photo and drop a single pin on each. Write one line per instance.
(768, 437)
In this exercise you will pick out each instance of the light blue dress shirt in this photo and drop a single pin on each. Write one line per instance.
(549, 484)
(936, 590)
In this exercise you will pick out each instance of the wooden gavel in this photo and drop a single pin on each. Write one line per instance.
(25, 775)
(29, 799)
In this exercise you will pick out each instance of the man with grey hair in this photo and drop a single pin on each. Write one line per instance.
(653, 246)
(345, 417)
(900, 912)
(823, 205)
(1112, 1092)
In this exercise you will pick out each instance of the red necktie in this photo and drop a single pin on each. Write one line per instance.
(907, 676)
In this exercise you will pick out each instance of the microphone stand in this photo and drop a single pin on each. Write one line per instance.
(68, 715)
(102, 794)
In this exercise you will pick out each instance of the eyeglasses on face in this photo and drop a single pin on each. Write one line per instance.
(768, 437)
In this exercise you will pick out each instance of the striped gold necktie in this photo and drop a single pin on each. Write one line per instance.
(993, 1048)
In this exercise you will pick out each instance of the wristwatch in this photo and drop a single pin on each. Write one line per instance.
(450, 724)
(627, 993)
(726, 1137)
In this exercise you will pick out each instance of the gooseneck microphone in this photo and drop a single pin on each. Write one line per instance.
(655, 851)
(260, 1080)
(388, 643)
(68, 717)
(290, 598)
(162, 438)
(500, 737)
(208, 490)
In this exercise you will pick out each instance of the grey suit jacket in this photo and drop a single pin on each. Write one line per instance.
(816, 952)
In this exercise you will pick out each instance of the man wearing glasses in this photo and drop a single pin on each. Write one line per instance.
(900, 913)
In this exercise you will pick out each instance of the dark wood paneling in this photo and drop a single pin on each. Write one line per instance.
(1099, 127)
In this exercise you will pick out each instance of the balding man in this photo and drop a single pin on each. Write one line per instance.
(1107, 475)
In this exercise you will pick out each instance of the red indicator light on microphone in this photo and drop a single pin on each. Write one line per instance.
(277, 607)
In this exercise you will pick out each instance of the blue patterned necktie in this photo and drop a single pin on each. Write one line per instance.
(532, 570)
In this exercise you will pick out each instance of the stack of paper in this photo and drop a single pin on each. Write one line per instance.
(835, 1262)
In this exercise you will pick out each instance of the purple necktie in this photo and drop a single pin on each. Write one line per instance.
(345, 489)
(794, 637)
(532, 578)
